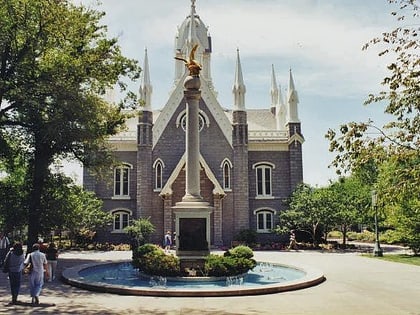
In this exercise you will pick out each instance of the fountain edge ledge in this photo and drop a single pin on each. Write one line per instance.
(71, 276)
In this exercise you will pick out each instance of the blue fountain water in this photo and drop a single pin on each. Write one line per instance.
(125, 274)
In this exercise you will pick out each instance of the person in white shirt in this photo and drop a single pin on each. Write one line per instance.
(39, 268)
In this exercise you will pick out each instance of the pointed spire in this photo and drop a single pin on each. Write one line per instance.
(292, 100)
(239, 85)
(281, 112)
(191, 31)
(274, 90)
(146, 88)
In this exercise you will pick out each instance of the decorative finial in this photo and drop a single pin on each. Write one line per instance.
(193, 66)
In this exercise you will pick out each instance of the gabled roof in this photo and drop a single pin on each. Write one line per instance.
(167, 189)
(168, 110)
(164, 116)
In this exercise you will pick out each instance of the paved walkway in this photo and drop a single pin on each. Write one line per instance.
(354, 285)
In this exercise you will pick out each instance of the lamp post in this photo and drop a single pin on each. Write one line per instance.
(377, 251)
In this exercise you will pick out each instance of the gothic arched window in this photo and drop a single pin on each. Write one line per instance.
(158, 167)
(227, 174)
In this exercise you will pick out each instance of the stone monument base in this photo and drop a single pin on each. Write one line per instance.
(192, 232)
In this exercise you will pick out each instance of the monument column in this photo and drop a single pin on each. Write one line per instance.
(192, 213)
(192, 95)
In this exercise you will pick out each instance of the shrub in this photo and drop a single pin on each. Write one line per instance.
(391, 237)
(234, 262)
(248, 236)
(335, 234)
(365, 236)
(240, 251)
(215, 266)
(140, 252)
(152, 260)
(157, 263)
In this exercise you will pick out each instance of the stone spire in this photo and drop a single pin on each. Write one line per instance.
(274, 90)
(292, 101)
(238, 86)
(281, 112)
(191, 31)
(146, 88)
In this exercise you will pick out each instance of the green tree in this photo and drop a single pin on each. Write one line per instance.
(351, 201)
(393, 148)
(56, 63)
(87, 215)
(309, 211)
(140, 231)
(13, 190)
(355, 143)
(399, 200)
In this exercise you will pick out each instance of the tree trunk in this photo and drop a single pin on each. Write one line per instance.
(39, 173)
(344, 232)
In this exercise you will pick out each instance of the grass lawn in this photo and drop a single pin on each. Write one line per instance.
(401, 258)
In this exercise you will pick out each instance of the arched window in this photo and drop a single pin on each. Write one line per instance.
(203, 120)
(122, 180)
(265, 220)
(158, 167)
(121, 219)
(227, 174)
(264, 179)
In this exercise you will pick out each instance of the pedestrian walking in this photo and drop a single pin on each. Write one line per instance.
(14, 261)
(168, 241)
(39, 264)
(292, 244)
(52, 259)
(4, 247)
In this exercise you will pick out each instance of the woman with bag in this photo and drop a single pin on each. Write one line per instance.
(14, 260)
(36, 277)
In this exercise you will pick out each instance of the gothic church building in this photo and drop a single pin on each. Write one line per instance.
(250, 159)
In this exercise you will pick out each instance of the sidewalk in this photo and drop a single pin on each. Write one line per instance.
(354, 285)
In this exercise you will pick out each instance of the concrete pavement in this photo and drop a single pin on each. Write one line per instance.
(354, 285)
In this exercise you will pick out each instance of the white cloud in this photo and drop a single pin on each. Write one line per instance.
(320, 40)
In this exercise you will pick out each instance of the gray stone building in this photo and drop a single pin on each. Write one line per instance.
(250, 159)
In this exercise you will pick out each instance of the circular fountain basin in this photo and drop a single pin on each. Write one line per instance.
(121, 278)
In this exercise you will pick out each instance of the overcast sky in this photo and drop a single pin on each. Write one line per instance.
(320, 40)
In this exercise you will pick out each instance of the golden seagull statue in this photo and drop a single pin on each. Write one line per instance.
(193, 65)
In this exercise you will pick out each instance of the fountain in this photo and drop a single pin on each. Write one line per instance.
(122, 278)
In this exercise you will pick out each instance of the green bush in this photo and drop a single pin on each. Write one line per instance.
(159, 264)
(152, 260)
(140, 252)
(234, 262)
(391, 237)
(240, 251)
(215, 266)
(335, 234)
(248, 236)
(365, 236)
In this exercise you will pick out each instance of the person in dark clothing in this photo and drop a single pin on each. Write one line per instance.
(15, 259)
(52, 254)
(4, 247)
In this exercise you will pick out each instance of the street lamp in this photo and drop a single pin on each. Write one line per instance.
(377, 251)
